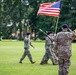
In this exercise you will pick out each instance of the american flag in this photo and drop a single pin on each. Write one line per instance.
(50, 9)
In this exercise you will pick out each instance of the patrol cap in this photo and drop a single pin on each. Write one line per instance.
(64, 26)
(28, 33)
(49, 32)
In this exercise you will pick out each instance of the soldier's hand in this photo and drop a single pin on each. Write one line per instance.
(33, 47)
(70, 30)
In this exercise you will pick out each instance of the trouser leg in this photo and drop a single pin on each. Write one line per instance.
(66, 66)
(30, 57)
(52, 56)
(23, 56)
(61, 64)
(53, 59)
(44, 59)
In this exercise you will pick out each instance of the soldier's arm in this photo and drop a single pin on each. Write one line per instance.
(74, 35)
(71, 31)
(31, 45)
(56, 47)
(48, 41)
(51, 38)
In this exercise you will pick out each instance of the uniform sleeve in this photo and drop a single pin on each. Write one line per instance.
(56, 46)
(48, 41)
(74, 36)
(30, 44)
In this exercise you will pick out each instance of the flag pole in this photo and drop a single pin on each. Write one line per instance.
(56, 24)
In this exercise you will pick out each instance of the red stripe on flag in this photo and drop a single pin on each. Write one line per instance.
(47, 9)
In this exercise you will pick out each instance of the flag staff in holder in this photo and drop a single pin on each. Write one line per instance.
(56, 24)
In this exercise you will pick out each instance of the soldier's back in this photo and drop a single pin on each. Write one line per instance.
(26, 42)
(64, 40)
(47, 43)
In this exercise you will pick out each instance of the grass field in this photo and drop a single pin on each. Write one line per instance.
(11, 52)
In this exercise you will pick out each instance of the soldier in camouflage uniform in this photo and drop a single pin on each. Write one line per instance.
(49, 54)
(63, 49)
(27, 44)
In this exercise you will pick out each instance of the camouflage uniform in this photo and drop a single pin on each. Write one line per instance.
(63, 50)
(49, 53)
(27, 44)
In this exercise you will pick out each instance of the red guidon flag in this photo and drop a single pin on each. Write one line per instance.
(50, 9)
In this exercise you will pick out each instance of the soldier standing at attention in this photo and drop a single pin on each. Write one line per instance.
(63, 49)
(49, 53)
(27, 44)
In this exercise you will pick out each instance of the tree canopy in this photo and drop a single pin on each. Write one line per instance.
(14, 14)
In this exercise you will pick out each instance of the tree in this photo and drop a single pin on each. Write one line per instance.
(36, 21)
(68, 11)
(16, 11)
(12, 11)
(33, 15)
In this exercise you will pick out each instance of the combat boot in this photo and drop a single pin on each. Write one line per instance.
(32, 62)
(56, 62)
(41, 63)
(46, 62)
(20, 61)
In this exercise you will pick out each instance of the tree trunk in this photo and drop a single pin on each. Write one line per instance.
(20, 25)
(35, 35)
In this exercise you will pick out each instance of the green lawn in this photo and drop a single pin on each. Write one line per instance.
(11, 51)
